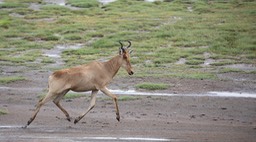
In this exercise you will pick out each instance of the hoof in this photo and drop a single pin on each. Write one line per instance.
(76, 120)
(69, 119)
(118, 118)
(24, 127)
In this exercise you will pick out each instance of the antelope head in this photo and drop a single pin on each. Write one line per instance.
(124, 52)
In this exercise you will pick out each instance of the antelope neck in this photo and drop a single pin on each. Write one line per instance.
(113, 65)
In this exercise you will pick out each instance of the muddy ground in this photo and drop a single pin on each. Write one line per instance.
(178, 117)
(145, 118)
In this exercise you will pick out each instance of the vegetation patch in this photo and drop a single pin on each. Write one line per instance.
(152, 86)
(83, 3)
(194, 62)
(196, 75)
(12, 5)
(127, 98)
(161, 34)
(10, 79)
(3, 112)
(73, 95)
(121, 98)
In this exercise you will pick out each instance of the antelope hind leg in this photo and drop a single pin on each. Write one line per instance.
(41, 102)
(56, 101)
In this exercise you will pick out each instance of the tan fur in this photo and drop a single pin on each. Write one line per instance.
(93, 77)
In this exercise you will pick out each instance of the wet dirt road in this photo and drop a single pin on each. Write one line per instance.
(147, 118)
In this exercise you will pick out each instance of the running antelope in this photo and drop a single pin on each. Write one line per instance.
(93, 77)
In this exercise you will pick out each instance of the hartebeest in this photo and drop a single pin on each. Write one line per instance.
(93, 77)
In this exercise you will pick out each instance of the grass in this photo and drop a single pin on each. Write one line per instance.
(10, 79)
(3, 112)
(83, 4)
(161, 33)
(152, 86)
(228, 70)
(128, 98)
(196, 75)
(73, 95)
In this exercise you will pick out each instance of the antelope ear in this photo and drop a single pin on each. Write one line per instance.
(130, 52)
(120, 51)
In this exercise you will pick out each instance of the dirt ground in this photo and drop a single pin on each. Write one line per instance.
(147, 118)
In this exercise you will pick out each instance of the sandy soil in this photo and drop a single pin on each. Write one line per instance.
(161, 118)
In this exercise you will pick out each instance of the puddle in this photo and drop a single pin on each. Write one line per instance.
(58, 2)
(58, 49)
(55, 53)
(208, 62)
(10, 127)
(190, 9)
(231, 94)
(210, 94)
(126, 138)
(35, 6)
(64, 47)
(153, 0)
(104, 2)
(78, 139)
(137, 93)
(61, 3)
(181, 61)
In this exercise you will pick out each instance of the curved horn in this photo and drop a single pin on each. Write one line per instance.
(121, 49)
(129, 44)
(122, 46)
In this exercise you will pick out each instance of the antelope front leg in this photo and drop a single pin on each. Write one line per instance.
(114, 97)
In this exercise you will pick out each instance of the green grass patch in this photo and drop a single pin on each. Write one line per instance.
(47, 60)
(7, 4)
(195, 75)
(161, 33)
(227, 70)
(10, 79)
(152, 86)
(127, 98)
(3, 112)
(83, 3)
(73, 37)
(194, 62)
(73, 95)
(121, 98)
(222, 63)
